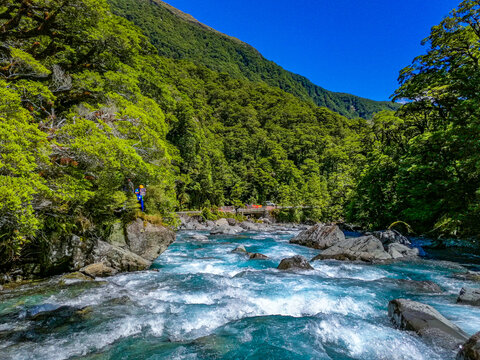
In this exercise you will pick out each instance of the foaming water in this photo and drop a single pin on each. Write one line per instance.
(205, 302)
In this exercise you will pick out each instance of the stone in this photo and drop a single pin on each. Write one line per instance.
(414, 286)
(391, 237)
(295, 262)
(469, 275)
(397, 251)
(231, 222)
(365, 248)
(222, 223)
(77, 275)
(240, 250)
(98, 270)
(117, 235)
(120, 259)
(249, 226)
(148, 240)
(198, 237)
(427, 322)
(471, 349)
(319, 236)
(258, 256)
(469, 296)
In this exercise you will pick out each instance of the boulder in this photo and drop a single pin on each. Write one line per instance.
(198, 237)
(77, 275)
(471, 349)
(240, 250)
(118, 258)
(222, 223)
(231, 222)
(469, 275)
(469, 296)
(148, 240)
(391, 237)
(295, 262)
(319, 236)
(258, 256)
(98, 270)
(413, 286)
(249, 226)
(397, 251)
(427, 322)
(365, 248)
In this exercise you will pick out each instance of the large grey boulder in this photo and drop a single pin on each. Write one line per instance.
(427, 322)
(391, 237)
(295, 262)
(118, 258)
(397, 251)
(366, 248)
(469, 296)
(319, 236)
(148, 240)
(471, 349)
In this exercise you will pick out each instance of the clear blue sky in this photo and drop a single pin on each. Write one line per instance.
(353, 46)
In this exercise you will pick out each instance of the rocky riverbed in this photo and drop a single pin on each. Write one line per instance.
(211, 295)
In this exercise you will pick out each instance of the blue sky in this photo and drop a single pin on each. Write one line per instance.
(349, 46)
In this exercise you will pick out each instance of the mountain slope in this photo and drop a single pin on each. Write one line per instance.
(178, 35)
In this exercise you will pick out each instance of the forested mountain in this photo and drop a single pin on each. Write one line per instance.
(86, 103)
(179, 36)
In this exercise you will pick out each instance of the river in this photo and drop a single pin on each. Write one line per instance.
(208, 303)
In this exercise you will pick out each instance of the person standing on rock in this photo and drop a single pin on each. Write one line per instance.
(140, 199)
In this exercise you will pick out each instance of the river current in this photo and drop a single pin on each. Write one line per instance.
(206, 302)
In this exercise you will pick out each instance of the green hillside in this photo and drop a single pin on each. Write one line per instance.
(179, 36)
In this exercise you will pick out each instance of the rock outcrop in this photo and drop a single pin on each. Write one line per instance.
(294, 263)
(471, 349)
(427, 322)
(130, 248)
(469, 296)
(366, 248)
(147, 240)
(319, 236)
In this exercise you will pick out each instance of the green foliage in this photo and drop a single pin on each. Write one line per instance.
(423, 168)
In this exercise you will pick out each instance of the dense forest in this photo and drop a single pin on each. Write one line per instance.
(179, 36)
(87, 102)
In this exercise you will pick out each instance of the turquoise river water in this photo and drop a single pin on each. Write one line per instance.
(208, 303)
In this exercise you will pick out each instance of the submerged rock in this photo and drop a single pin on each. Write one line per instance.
(469, 296)
(319, 236)
(295, 262)
(198, 237)
(98, 270)
(258, 256)
(469, 275)
(427, 322)
(240, 249)
(471, 349)
(415, 286)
